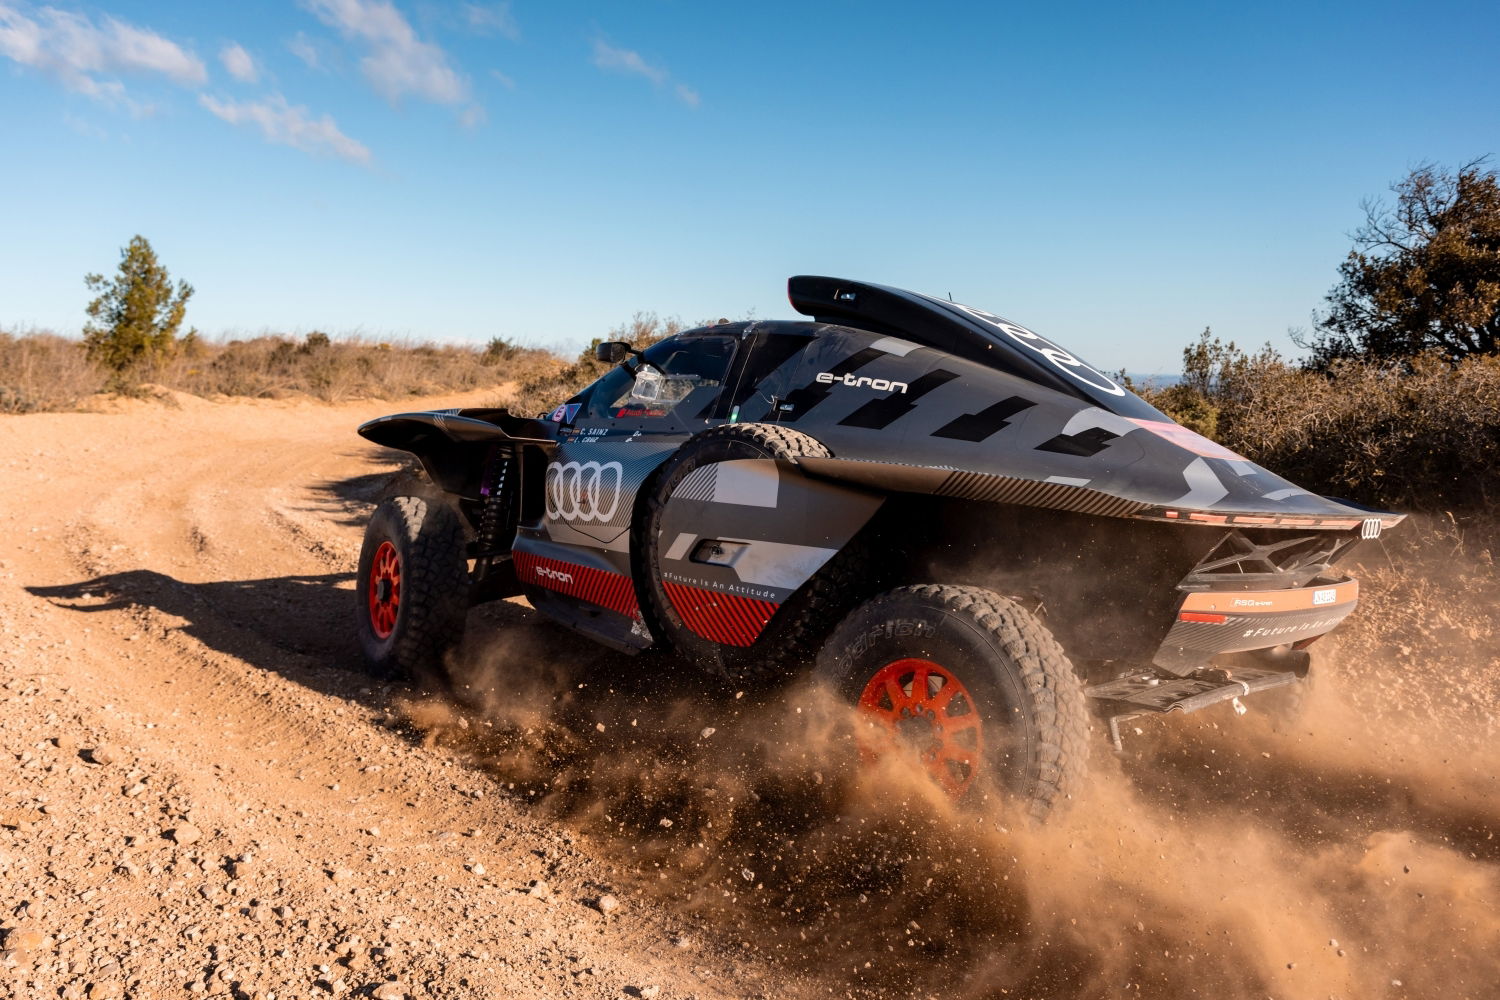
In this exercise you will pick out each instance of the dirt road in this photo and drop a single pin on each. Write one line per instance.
(205, 796)
(175, 588)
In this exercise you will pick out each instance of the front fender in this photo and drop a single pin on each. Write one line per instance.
(454, 445)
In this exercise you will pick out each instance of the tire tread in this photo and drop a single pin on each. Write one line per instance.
(435, 587)
(1059, 707)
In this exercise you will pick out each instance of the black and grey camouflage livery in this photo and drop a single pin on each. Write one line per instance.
(951, 440)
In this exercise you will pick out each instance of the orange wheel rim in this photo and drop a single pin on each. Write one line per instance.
(385, 590)
(925, 706)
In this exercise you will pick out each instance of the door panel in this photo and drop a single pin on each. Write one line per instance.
(621, 435)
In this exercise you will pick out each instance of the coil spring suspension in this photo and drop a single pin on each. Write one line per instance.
(496, 517)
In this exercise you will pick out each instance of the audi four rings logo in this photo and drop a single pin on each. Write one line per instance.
(1371, 528)
(583, 491)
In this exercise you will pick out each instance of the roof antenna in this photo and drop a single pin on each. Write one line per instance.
(950, 296)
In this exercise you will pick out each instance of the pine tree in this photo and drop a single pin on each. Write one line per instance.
(135, 318)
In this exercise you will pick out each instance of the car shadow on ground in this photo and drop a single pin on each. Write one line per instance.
(302, 626)
(353, 497)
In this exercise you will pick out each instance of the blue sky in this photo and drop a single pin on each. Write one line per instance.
(1115, 176)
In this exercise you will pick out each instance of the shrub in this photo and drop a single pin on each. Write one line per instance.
(499, 349)
(42, 371)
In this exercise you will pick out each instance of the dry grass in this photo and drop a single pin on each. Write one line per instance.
(346, 368)
(42, 371)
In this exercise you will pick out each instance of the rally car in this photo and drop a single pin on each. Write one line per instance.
(974, 537)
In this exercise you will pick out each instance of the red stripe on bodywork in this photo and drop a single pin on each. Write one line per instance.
(596, 586)
(723, 618)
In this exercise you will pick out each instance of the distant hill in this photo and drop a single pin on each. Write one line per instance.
(1153, 381)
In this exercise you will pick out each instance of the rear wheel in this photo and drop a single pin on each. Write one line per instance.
(412, 588)
(971, 685)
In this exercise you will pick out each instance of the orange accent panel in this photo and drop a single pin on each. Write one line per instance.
(1241, 602)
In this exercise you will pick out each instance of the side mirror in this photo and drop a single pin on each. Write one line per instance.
(612, 351)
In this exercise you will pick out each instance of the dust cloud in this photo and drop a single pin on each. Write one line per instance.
(1343, 847)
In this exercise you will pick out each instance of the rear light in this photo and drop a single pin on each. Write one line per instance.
(1199, 616)
(1304, 643)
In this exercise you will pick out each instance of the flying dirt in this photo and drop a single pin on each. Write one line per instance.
(208, 795)
(971, 535)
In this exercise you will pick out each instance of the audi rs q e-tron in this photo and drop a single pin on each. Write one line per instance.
(972, 536)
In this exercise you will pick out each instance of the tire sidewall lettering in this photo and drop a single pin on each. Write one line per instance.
(895, 628)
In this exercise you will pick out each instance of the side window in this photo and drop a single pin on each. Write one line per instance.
(605, 392)
(682, 378)
(765, 375)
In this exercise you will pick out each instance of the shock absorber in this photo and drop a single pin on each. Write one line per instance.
(495, 517)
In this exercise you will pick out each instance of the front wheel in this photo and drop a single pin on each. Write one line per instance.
(412, 588)
(971, 684)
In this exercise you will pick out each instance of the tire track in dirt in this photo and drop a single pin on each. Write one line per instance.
(178, 587)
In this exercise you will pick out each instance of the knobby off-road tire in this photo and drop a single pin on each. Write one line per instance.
(791, 641)
(412, 589)
(1017, 721)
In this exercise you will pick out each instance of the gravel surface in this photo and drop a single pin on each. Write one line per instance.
(206, 798)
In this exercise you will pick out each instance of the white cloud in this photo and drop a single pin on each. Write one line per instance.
(136, 48)
(239, 64)
(504, 80)
(289, 125)
(492, 19)
(75, 50)
(626, 61)
(302, 47)
(631, 63)
(398, 62)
